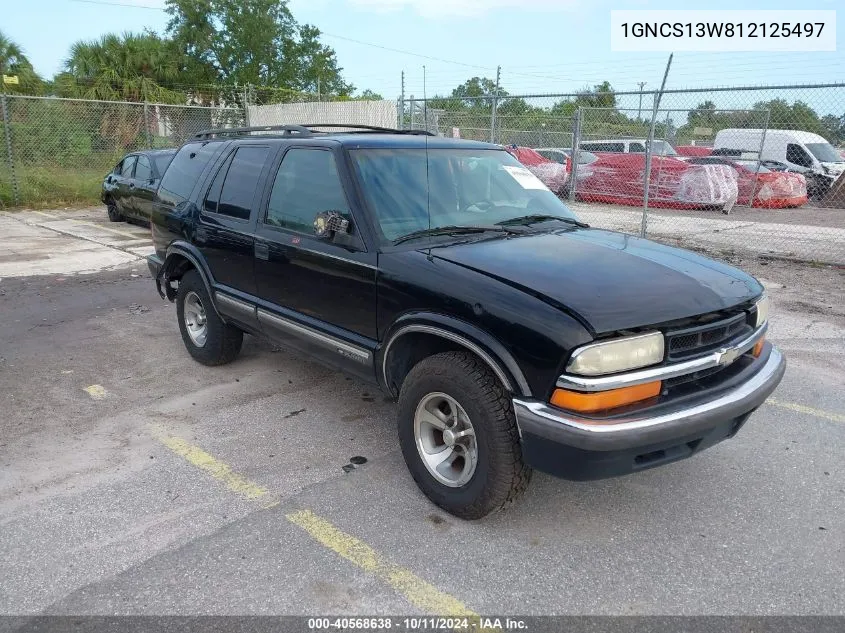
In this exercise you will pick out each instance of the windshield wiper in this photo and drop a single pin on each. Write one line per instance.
(538, 217)
(455, 230)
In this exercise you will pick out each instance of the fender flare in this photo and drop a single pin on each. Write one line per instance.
(473, 338)
(192, 254)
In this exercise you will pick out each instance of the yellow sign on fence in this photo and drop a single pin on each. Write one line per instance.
(10, 79)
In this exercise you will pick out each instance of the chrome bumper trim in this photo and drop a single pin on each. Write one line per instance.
(743, 398)
(722, 356)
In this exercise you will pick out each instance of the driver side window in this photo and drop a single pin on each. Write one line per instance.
(797, 155)
(306, 184)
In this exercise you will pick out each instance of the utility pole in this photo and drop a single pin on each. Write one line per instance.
(402, 104)
(425, 103)
(495, 106)
(640, 109)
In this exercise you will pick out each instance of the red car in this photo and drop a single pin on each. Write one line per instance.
(551, 173)
(774, 189)
(674, 183)
(693, 150)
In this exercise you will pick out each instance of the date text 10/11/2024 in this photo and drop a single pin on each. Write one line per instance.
(475, 623)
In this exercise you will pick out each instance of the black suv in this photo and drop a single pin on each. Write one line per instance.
(129, 189)
(513, 335)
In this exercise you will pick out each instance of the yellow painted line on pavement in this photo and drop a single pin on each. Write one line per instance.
(418, 592)
(800, 408)
(97, 392)
(210, 464)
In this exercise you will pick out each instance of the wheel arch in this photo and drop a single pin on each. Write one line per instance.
(416, 337)
(180, 258)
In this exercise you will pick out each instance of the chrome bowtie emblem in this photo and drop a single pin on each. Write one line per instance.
(727, 356)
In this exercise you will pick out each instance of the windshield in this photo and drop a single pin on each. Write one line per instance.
(412, 190)
(662, 148)
(824, 152)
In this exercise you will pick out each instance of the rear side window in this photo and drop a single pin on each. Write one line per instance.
(233, 189)
(184, 171)
(636, 148)
(306, 184)
(143, 170)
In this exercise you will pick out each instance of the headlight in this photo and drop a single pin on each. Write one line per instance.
(762, 306)
(616, 355)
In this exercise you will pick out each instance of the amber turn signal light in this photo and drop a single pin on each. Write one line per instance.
(600, 400)
(758, 348)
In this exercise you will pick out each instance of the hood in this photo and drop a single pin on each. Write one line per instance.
(610, 280)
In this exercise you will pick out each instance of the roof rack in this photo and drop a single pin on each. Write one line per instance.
(306, 130)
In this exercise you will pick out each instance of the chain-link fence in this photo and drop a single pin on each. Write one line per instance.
(738, 168)
(728, 169)
(57, 151)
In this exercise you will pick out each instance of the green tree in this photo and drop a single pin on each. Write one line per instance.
(253, 42)
(369, 95)
(128, 67)
(13, 62)
(834, 128)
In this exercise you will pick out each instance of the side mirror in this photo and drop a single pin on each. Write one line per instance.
(327, 224)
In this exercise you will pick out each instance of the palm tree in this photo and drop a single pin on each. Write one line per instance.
(14, 62)
(128, 67)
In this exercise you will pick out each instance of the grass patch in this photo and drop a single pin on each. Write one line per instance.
(43, 186)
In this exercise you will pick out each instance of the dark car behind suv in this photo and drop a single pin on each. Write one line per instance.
(513, 335)
(129, 189)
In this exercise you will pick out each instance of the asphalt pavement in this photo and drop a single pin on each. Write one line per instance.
(135, 481)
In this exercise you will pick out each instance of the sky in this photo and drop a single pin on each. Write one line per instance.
(542, 46)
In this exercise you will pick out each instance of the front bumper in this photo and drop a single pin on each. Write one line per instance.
(580, 448)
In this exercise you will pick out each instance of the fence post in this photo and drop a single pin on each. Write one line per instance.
(246, 105)
(576, 149)
(7, 129)
(147, 124)
(495, 106)
(759, 158)
(647, 175)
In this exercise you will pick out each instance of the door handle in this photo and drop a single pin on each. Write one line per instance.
(262, 250)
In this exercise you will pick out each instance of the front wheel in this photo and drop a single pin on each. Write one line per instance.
(459, 437)
(207, 337)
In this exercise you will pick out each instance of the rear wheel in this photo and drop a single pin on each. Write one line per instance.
(459, 437)
(114, 214)
(207, 337)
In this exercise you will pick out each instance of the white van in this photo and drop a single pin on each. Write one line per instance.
(794, 148)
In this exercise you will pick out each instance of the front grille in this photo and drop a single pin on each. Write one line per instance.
(694, 341)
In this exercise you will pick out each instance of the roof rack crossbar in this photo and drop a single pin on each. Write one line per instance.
(304, 130)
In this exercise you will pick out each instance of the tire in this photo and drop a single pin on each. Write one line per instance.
(217, 343)
(114, 214)
(499, 475)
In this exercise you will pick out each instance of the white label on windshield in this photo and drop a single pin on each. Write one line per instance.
(525, 178)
